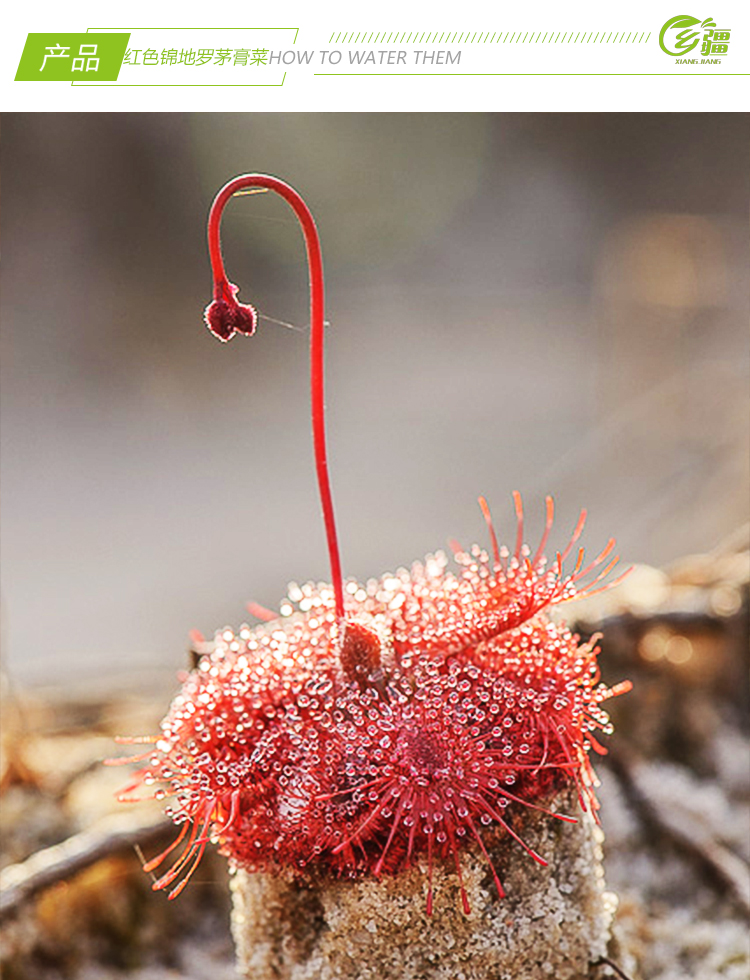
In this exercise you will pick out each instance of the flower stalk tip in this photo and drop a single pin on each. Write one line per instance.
(225, 317)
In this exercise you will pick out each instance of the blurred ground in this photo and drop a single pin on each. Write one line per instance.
(549, 303)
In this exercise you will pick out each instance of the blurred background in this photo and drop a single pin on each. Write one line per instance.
(549, 303)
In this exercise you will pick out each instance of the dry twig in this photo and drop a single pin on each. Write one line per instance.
(679, 826)
(21, 882)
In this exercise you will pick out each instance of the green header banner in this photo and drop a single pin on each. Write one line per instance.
(72, 57)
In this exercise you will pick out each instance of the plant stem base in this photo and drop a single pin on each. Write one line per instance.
(553, 923)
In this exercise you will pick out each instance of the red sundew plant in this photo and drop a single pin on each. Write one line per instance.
(367, 725)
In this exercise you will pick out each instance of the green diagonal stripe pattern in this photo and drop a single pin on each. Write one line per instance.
(487, 37)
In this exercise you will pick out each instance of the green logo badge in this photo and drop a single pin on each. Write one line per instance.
(681, 34)
(72, 57)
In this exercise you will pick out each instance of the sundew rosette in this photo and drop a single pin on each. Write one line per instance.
(392, 749)
(450, 702)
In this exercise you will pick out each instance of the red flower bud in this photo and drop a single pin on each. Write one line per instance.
(225, 316)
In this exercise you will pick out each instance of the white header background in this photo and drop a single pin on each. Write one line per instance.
(653, 81)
